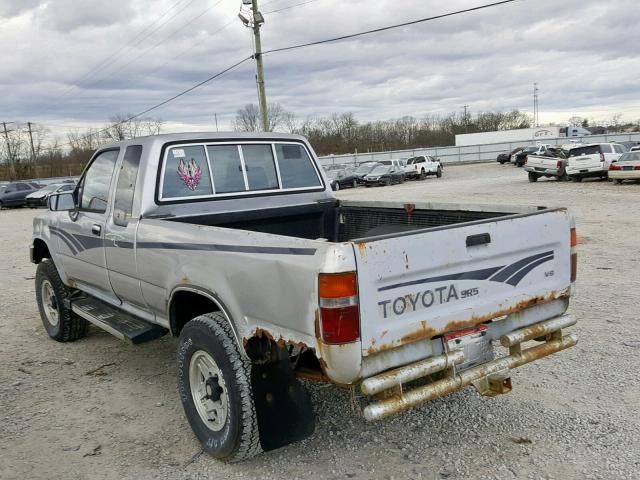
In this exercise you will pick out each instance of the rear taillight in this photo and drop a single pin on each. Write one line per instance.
(602, 157)
(339, 311)
(637, 167)
(613, 166)
(526, 159)
(559, 164)
(574, 255)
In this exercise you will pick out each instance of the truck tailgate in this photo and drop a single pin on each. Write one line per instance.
(420, 284)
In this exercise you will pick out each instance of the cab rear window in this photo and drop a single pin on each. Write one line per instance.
(229, 169)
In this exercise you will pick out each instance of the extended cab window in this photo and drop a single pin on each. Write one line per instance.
(235, 168)
(606, 148)
(125, 188)
(96, 181)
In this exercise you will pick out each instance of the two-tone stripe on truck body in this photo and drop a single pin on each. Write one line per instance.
(78, 243)
(510, 274)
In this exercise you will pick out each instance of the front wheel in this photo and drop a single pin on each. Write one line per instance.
(533, 177)
(354, 183)
(439, 172)
(423, 174)
(214, 383)
(616, 181)
(576, 179)
(336, 186)
(59, 321)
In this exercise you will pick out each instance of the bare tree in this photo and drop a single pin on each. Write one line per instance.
(122, 127)
(247, 119)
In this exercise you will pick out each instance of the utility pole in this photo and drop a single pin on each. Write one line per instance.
(255, 21)
(6, 136)
(33, 151)
(466, 118)
(257, 16)
(536, 122)
(215, 116)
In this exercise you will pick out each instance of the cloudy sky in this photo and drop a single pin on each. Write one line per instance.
(76, 63)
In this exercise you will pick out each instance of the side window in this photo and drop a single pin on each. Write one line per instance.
(261, 169)
(186, 173)
(227, 168)
(296, 168)
(125, 188)
(606, 148)
(618, 148)
(22, 187)
(96, 181)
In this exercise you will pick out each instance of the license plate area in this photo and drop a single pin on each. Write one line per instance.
(474, 342)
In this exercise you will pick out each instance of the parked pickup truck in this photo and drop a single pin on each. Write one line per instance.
(235, 244)
(421, 166)
(551, 163)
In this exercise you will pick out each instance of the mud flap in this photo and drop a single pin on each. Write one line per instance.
(283, 405)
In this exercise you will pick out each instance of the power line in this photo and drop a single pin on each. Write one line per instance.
(390, 27)
(289, 7)
(107, 62)
(164, 39)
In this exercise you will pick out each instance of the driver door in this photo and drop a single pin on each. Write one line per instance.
(81, 232)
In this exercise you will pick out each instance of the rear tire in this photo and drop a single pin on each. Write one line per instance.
(616, 181)
(423, 174)
(439, 172)
(214, 384)
(337, 187)
(533, 177)
(576, 179)
(354, 184)
(59, 321)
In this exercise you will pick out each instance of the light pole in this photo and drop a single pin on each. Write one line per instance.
(254, 21)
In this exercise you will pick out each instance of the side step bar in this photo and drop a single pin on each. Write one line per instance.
(490, 378)
(116, 322)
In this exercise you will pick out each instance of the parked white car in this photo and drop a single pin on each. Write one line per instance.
(627, 167)
(421, 166)
(592, 160)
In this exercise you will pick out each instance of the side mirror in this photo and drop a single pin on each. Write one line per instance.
(61, 202)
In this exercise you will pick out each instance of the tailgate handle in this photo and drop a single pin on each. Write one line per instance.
(480, 239)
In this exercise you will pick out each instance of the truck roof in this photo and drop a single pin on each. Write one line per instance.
(177, 137)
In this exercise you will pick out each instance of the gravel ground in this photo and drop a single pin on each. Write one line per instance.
(575, 415)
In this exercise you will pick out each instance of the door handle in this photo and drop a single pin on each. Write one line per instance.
(480, 239)
(96, 229)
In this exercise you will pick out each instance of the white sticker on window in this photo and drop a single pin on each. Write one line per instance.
(178, 153)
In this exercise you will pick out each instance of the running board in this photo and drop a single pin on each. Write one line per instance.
(116, 322)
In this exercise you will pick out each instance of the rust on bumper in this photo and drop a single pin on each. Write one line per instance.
(490, 378)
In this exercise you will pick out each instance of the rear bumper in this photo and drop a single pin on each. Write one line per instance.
(491, 378)
(624, 174)
(542, 171)
(576, 171)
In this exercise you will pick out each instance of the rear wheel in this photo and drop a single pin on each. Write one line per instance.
(59, 321)
(336, 186)
(214, 383)
(354, 183)
(616, 181)
(563, 177)
(439, 172)
(387, 182)
(423, 174)
(533, 177)
(576, 179)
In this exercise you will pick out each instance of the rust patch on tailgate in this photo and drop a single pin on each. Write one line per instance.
(426, 332)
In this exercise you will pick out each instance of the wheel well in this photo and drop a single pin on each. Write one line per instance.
(185, 306)
(40, 251)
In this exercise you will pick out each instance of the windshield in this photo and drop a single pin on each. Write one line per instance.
(365, 168)
(380, 170)
(630, 157)
(530, 149)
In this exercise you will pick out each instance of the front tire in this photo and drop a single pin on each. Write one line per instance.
(576, 179)
(439, 172)
(59, 321)
(214, 383)
(354, 184)
(616, 181)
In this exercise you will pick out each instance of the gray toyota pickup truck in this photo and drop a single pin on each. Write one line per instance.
(235, 244)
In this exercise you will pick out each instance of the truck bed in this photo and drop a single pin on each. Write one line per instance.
(349, 220)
